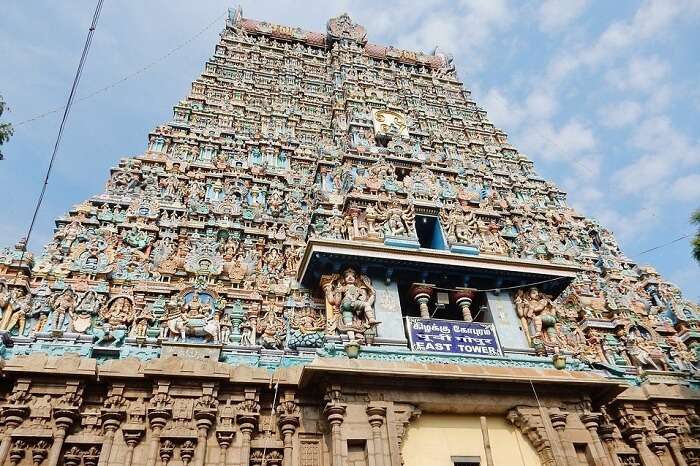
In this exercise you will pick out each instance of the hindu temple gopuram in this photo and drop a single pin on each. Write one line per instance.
(329, 256)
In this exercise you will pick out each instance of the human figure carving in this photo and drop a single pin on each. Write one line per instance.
(350, 303)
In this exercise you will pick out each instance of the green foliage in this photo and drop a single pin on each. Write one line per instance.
(695, 218)
(5, 128)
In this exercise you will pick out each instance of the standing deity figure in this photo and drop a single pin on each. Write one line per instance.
(349, 303)
(81, 315)
(5, 302)
(61, 304)
(173, 311)
(16, 311)
(142, 321)
(538, 312)
(225, 328)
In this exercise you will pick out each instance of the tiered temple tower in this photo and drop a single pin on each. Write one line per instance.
(329, 256)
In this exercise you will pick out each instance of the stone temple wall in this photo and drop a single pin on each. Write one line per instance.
(237, 293)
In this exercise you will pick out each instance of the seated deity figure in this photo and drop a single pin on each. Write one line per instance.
(271, 329)
(461, 226)
(398, 221)
(195, 309)
(349, 303)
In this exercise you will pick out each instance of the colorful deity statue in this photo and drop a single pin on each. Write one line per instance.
(307, 329)
(17, 308)
(62, 304)
(460, 225)
(539, 314)
(397, 220)
(349, 303)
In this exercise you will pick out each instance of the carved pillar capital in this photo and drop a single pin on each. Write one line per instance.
(14, 414)
(225, 438)
(158, 417)
(112, 418)
(529, 422)
(591, 420)
(133, 433)
(335, 413)
(558, 419)
(463, 298)
(376, 415)
(421, 293)
(65, 416)
(205, 418)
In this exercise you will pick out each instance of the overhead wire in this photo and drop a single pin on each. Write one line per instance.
(127, 77)
(62, 126)
(590, 172)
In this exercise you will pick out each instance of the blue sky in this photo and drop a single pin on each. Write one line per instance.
(603, 96)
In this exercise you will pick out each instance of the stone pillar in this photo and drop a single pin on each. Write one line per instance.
(225, 439)
(558, 420)
(635, 435)
(204, 419)
(288, 425)
(487, 440)
(421, 294)
(534, 428)
(463, 298)
(376, 415)
(591, 422)
(670, 433)
(225, 432)
(132, 436)
(246, 423)
(13, 415)
(335, 413)
(607, 432)
(157, 418)
(111, 419)
(63, 420)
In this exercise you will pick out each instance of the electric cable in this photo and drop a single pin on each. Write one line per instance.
(272, 416)
(64, 119)
(131, 75)
(664, 244)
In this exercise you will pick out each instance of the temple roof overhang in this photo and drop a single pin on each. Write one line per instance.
(463, 377)
(323, 256)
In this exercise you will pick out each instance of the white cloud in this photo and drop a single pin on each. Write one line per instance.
(668, 152)
(627, 225)
(651, 20)
(542, 140)
(541, 104)
(554, 15)
(620, 114)
(686, 188)
(640, 74)
(473, 22)
(658, 134)
(642, 174)
(501, 111)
